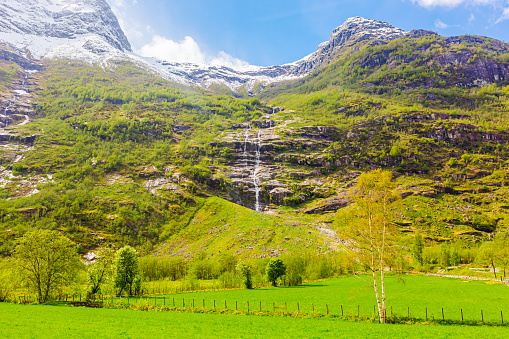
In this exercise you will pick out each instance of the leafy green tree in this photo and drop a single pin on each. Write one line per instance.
(369, 231)
(127, 270)
(101, 270)
(6, 279)
(295, 270)
(245, 270)
(417, 249)
(275, 269)
(445, 256)
(46, 260)
(495, 253)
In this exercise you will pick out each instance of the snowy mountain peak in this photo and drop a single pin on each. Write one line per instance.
(88, 31)
(374, 28)
(40, 26)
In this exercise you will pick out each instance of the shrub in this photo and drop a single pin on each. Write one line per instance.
(395, 151)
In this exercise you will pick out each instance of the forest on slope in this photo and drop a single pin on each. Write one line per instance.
(121, 156)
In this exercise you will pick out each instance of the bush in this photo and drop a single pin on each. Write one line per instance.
(204, 269)
(395, 151)
(229, 280)
(160, 268)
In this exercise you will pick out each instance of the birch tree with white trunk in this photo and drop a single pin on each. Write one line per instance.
(369, 232)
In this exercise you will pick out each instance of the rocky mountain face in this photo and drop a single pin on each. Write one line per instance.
(40, 26)
(353, 31)
(88, 31)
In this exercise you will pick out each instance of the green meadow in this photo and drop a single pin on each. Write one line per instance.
(41, 321)
(404, 293)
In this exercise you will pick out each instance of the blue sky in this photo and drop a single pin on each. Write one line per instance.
(280, 31)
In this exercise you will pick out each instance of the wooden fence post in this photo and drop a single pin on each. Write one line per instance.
(358, 310)
(298, 307)
(461, 314)
(248, 307)
(313, 307)
(443, 318)
(260, 305)
(327, 306)
(342, 310)
(482, 316)
(426, 313)
(502, 316)
(173, 301)
(273, 306)
(183, 303)
(408, 312)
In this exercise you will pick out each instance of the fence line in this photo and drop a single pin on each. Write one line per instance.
(342, 310)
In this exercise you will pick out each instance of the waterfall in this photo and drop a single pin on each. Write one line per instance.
(6, 116)
(255, 169)
(246, 139)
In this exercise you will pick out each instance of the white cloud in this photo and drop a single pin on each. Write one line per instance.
(472, 18)
(441, 25)
(505, 15)
(186, 50)
(453, 3)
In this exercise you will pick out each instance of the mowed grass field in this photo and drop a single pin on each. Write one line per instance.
(41, 321)
(414, 292)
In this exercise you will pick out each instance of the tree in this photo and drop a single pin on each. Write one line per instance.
(488, 253)
(127, 270)
(46, 260)
(245, 270)
(295, 269)
(6, 279)
(417, 249)
(101, 269)
(275, 269)
(495, 253)
(368, 229)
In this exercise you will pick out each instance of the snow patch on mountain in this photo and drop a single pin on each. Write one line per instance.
(88, 31)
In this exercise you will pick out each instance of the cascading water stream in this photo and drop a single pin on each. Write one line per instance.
(6, 112)
(255, 170)
(246, 139)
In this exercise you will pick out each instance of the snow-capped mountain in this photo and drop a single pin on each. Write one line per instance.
(88, 31)
(41, 26)
(353, 31)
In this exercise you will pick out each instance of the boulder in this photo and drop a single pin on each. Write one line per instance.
(278, 194)
(332, 204)
(150, 171)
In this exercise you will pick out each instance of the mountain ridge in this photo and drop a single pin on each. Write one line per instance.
(88, 31)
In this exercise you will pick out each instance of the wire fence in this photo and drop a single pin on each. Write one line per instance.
(351, 311)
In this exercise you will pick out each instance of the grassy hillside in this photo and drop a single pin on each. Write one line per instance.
(218, 226)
